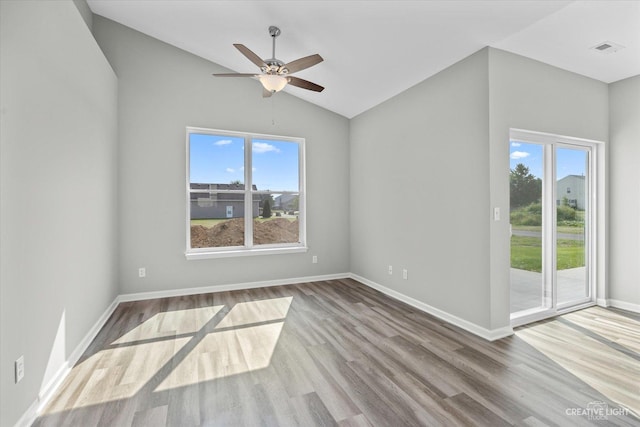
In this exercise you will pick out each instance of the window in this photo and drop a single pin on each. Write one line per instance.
(245, 194)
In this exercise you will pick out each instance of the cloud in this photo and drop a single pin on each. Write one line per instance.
(222, 142)
(230, 170)
(263, 147)
(516, 155)
(515, 144)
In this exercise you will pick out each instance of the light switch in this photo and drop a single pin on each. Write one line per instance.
(496, 214)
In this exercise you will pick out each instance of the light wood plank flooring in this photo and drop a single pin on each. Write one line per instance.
(338, 353)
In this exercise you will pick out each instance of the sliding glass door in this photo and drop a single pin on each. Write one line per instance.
(551, 220)
(572, 220)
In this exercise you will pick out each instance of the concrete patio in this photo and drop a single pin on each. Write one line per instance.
(526, 287)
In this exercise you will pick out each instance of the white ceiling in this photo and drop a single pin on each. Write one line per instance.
(374, 50)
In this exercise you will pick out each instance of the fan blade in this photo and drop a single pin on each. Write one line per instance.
(302, 63)
(304, 84)
(266, 93)
(250, 55)
(234, 75)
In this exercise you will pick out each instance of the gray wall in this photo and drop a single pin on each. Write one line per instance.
(85, 12)
(57, 201)
(420, 191)
(527, 94)
(437, 159)
(625, 191)
(162, 90)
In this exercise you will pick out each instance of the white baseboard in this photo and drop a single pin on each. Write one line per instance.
(488, 334)
(228, 287)
(624, 305)
(47, 390)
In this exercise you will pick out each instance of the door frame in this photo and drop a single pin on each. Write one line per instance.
(549, 238)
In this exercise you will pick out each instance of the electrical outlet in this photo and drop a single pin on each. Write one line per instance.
(314, 259)
(19, 365)
(405, 274)
(142, 272)
(390, 269)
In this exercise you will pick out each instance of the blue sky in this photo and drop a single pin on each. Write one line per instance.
(219, 159)
(569, 162)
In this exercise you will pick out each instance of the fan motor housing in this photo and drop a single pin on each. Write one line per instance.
(274, 31)
(275, 65)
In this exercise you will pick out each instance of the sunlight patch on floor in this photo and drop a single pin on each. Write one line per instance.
(225, 353)
(175, 349)
(589, 360)
(244, 340)
(108, 381)
(610, 325)
(170, 323)
(247, 313)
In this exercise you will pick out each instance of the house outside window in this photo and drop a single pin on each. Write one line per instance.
(245, 194)
(571, 185)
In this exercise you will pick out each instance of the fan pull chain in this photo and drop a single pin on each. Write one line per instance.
(273, 120)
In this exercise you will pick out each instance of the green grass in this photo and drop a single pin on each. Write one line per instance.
(207, 222)
(526, 253)
(570, 254)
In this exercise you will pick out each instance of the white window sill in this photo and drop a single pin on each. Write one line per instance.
(245, 252)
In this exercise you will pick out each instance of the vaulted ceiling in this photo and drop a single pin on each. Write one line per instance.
(374, 50)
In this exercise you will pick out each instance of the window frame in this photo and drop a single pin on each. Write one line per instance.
(248, 249)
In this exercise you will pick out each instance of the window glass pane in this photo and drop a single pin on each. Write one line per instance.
(217, 220)
(526, 206)
(572, 213)
(216, 163)
(216, 159)
(286, 205)
(275, 165)
(278, 220)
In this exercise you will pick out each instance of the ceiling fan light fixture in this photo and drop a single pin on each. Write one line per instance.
(273, 82)
(275, 73)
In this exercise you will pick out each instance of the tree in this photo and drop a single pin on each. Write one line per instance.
(266, 207)
(295, 203)
(525, 187)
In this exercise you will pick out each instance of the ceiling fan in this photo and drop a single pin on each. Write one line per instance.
(275, 73)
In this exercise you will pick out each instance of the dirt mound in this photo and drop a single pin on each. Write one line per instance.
(199, 236)
(231, 233)
(277, 230)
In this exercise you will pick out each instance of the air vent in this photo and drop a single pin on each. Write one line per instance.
(607, 47)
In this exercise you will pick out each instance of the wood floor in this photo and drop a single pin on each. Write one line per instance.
(339, 353)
